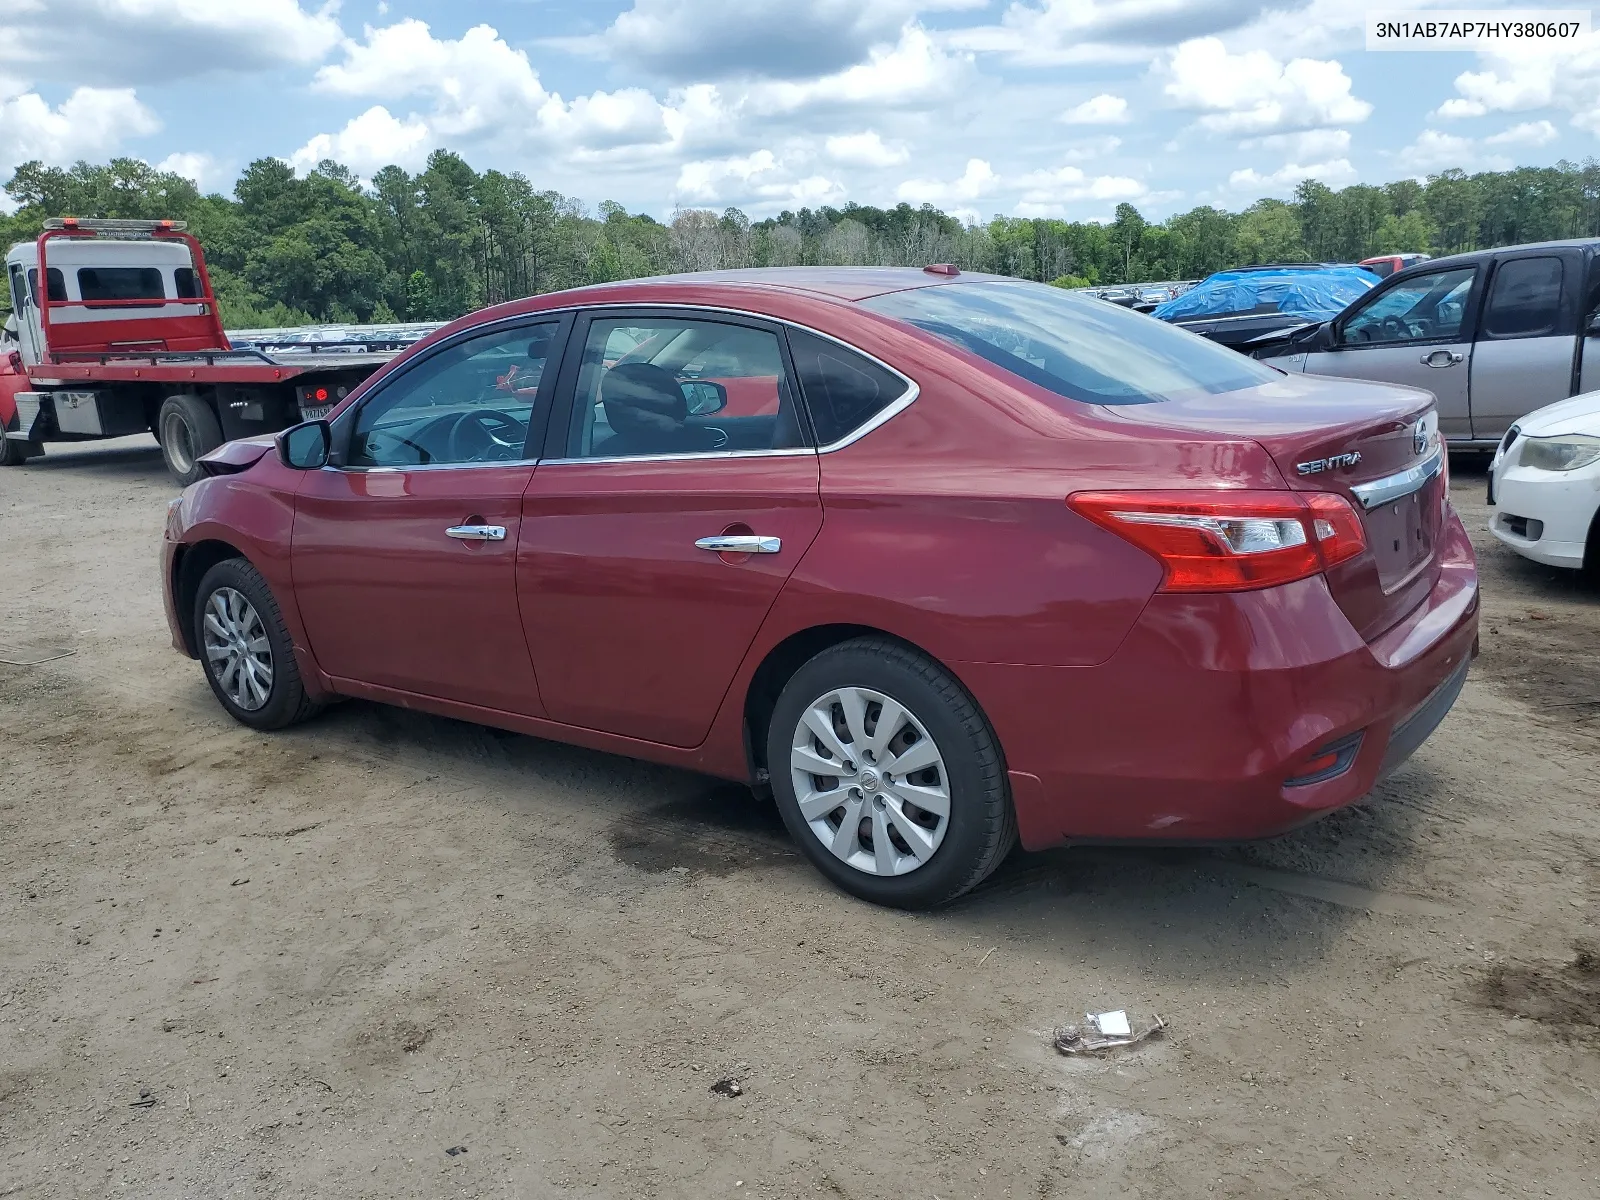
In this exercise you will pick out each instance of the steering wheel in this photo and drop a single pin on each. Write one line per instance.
(480, 434)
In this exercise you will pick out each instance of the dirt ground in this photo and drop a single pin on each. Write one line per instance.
(314, 963)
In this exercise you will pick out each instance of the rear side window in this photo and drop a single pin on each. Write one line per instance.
(129, 287)
(188, 287)
(1525, 300)
(843, 390)
(55, 281)
(1074, 346)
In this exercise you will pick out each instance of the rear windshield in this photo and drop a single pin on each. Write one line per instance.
(129, 287)
(1077, 347)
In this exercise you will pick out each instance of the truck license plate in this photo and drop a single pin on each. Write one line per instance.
(314, 412)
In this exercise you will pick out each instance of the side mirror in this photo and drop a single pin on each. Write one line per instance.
(1593, 328)
(704, 397)
(305, 447)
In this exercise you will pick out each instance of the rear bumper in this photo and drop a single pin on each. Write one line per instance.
(1191, 730)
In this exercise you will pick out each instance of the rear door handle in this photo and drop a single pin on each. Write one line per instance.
(1441, 358)
(741, 543)
(477, 533)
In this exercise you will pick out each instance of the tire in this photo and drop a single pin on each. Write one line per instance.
(245, 649)
(934, 858)
(186, 428)
(12, 452)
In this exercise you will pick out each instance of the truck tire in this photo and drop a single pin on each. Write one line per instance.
(14, 453)
(186, 429)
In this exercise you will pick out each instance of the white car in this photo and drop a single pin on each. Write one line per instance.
(1545, 478)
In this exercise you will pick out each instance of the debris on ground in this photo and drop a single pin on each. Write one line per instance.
(455, 1150)
(727, 1087)
(145, 1100)
(1105, 1031)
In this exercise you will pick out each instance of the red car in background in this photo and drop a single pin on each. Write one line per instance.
(945, 561)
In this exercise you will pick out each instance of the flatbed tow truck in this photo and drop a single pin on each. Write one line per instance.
(115, 331)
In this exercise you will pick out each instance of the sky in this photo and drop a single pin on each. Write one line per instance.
(1019, 107)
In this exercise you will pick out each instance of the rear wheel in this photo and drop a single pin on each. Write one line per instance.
(888, 776)
(245, 648)
(186, 429)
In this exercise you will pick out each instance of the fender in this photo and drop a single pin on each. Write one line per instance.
(257, 520)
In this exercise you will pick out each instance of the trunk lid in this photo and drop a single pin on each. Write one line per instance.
(1373, 443)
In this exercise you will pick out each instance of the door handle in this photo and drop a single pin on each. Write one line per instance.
(741, 543)
(477, 533)
(1441, 358)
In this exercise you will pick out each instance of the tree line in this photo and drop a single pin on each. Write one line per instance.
(287, 249)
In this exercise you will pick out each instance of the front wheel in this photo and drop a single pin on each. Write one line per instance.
(187, 429)
(246, 650)
(888, 776)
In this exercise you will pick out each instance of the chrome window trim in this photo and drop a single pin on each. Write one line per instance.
(889, 412)
(460, 466)
(1378, 492)
(702, 455)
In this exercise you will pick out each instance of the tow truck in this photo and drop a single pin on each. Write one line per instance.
(115, 331)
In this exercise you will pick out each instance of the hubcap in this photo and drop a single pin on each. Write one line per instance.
(238, 654)
(870, 781)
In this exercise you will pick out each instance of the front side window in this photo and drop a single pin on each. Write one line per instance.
(1421, 308)
(1525, 299)
(122, 287)
(470, 403)
(680, 386)
(1074, 346)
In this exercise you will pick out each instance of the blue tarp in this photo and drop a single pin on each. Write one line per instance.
(1316, 295)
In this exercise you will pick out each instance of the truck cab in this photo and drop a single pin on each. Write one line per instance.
(116, 332)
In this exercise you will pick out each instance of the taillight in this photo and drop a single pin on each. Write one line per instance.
(1230, 541)
(1338, 529)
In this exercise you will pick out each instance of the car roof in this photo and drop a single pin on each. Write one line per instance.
(837, 283)
(1473, 257)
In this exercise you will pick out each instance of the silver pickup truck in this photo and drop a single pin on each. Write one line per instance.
(1493, 334)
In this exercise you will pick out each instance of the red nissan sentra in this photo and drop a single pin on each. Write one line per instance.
(970, 560)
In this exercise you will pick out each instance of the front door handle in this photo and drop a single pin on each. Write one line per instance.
(1441, 358)
(477, 533)
(741, 543)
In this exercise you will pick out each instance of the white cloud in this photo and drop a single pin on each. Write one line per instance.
(976, 181)
(1311, 145)
(1529, 133)
(1255, 93)
(156, 41)
(1058, 32)
(199, 168)
(914, 70)
(1521, 77)
(90, 123)
(1104, 109)
(1437, 151)
(761, 182)
(1335, 173)
(699, 40)
(1053, 193)
(374, 139)
(479, 88)
(864, 150)
(1091, 148)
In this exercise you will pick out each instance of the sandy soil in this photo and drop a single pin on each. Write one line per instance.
(326, 958)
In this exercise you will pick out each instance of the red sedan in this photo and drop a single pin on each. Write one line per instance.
(971, 560)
